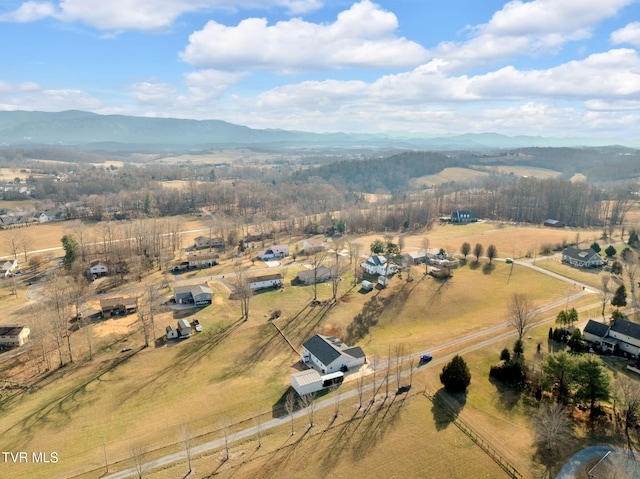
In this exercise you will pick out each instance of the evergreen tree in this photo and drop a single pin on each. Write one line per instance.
(71, 250)
(592, 380)
(595, 247)
(610, 251)
(619, 297)
(377, 247)
(455, 375)
(634, 242)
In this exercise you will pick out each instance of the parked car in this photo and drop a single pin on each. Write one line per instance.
(196, 325)
(508, 260)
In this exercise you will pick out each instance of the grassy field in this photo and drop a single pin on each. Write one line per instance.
(460, 175)
(237, 369)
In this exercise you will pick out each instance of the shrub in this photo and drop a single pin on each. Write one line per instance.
(455, 375)
(505, 355)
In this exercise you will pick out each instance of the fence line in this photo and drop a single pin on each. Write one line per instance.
(475, 437)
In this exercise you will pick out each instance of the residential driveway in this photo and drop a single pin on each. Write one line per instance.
(580, 458)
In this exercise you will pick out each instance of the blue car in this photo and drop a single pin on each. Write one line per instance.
(425, 358)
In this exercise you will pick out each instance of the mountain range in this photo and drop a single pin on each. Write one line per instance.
(85, 130)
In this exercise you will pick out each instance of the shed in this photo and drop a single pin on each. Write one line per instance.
(172, 333)
(13, 335)
(306, 382)
(184, 328)
(553, 223)
(367, 285)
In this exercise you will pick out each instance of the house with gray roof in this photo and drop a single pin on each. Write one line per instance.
(377, 264)
(621, 335)
(329, 354)
(581, 258)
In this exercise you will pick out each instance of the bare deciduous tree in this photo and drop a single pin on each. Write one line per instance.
(307, 401)
(605, 292)
(243, 290)
(138, 453)
(627, 402)
(354, 257)
(521, 312)
(398, 356)
(360, 388)
(186, 438)
(290, 407)
(551, 424)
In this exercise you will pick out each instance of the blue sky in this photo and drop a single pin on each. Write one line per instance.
(562, 68)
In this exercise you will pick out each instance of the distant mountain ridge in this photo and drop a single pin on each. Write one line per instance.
(84, 129)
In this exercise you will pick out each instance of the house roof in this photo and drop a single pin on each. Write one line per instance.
(266, 277)
(377, 260)
(193, 290)
(329, 348)
(323, 273)
(580, 254)
(113, 302)
(11, 330)
(596, 328)
(628, 328)
(309, 376)
(321, 349)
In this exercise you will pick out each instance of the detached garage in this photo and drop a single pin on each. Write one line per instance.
(306, 382)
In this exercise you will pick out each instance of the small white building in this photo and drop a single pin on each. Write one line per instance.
(98, 268)
(306, 382)
(267, 281)
(14, 335)
(172, 333)
(184, 328)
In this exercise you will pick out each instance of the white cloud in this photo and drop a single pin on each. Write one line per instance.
(628, 34)
(32, 96)
(362, 36)
(526, 28)
(139, 14)
(148, 93)
(207, 85)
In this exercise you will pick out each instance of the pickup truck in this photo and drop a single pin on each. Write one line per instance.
(425, 358)
(196, 325)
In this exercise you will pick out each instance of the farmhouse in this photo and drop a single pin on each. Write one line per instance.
(266, 281)
(13, 335)
(581, 258)
(622, 335)
(329, 354)
(320, 275)
(377, 264)
(98, 268)
(462, 216)
(553, 223)
(277, 251)
(198, 294)
(117, 306)
(202, 242)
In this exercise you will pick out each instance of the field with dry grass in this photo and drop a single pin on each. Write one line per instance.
(236, 370)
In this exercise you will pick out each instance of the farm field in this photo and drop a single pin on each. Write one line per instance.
(462, 175)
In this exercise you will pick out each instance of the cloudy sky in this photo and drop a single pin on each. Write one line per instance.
(537, 67)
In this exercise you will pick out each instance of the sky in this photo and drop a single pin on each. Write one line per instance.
(556, 68)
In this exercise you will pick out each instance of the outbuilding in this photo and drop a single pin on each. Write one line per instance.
(306, 382)
(172, 333)
(13, 335)
(184, 328)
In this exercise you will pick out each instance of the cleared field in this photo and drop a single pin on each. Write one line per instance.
(225, 156)
(530, 171)
(448, 175)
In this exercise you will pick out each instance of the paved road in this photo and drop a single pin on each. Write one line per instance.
(579, 459)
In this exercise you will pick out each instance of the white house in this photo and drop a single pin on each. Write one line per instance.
(266, 281)
(377, 264)
(306, 382)
(13, 335)
(319, 275)
(277, 251)
(315, 244)
(99, 268)
(7, 267)
(203, 260)
(621, 335)
(581, 258)
(329, 354)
